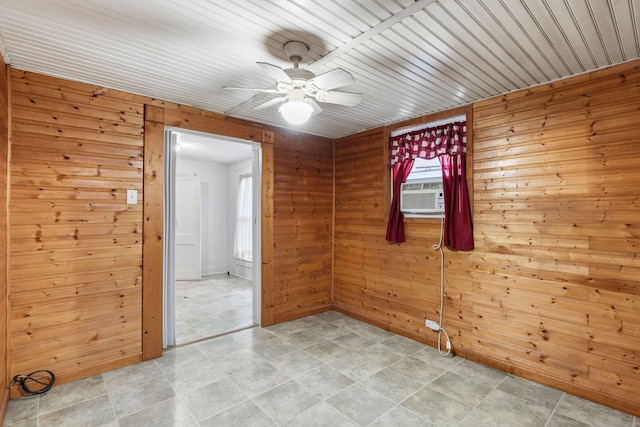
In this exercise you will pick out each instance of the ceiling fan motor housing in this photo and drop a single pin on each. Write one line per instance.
(299, 74)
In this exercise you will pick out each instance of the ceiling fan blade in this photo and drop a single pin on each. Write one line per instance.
(342, 98)
(247, 103)
(275, 72)
(333, 79)
(268, 104)
(267, 90)
(316, 107)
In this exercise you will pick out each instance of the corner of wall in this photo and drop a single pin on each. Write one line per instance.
(4, 403)
(5, 73)
(332, 301)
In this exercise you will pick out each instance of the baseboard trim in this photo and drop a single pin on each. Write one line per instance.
(629, 407)
(300, 313)
(432, 342)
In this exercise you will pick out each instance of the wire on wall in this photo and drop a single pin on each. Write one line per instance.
(441, 331)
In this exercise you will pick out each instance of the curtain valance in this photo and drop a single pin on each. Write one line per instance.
(429, 143)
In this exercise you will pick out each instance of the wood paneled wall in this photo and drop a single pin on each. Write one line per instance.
(303, 229)
(4, 146)
(76, 270)
(551, 291)
(556, 274)
(75, 263)
(395, 286)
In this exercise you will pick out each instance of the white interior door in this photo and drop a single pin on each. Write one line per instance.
(187, 243)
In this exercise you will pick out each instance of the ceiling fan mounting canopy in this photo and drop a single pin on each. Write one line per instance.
(295, 51)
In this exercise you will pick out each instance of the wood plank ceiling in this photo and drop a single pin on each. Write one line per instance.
(409, 58)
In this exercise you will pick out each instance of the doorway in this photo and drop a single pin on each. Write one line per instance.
(210, 288)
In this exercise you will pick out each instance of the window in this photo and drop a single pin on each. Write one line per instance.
(421, 195)
(425, 169)
(243, 244)
(448, 142)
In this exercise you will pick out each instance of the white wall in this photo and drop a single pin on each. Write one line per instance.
(237, 267)
(214, 205)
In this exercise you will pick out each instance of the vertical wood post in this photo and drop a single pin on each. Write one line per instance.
(267, 315)
(152, 232)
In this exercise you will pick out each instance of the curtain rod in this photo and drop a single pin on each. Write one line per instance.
(435, 123)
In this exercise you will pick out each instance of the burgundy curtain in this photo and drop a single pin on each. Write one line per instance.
(458, 231)
(395, 226)
(449, 143)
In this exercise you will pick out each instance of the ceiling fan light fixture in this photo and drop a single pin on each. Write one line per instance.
(296, 111)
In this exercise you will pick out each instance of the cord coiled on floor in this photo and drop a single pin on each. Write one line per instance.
(37, 382)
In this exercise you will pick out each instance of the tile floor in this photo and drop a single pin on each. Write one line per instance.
(212, 306)
(322, 370)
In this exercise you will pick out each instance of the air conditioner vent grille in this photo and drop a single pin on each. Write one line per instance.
(422, 197)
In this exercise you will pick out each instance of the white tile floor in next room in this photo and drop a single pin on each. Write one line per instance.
(322, 370)
(214, 305)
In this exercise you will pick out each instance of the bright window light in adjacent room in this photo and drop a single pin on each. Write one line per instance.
(243, 245)
(296, 112)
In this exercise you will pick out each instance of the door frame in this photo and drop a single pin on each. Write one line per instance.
(156, 117)
(170, 271)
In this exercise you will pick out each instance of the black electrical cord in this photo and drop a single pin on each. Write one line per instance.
(37, 382)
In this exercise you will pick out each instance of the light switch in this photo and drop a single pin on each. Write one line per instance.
(132, 197)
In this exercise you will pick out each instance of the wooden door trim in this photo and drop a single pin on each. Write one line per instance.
(156, 118)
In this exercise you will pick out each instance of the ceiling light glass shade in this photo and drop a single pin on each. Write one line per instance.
(296, 112)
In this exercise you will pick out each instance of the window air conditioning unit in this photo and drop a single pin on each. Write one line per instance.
(422, 197)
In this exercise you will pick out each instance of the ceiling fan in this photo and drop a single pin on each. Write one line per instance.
(300, 88)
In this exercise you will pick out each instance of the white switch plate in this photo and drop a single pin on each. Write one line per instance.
(132, 197)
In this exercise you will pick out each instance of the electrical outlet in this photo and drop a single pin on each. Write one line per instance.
(432, 325)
